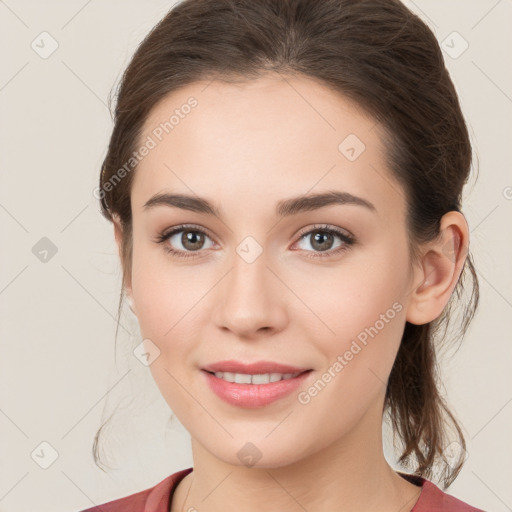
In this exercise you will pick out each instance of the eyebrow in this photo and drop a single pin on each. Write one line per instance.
(284, 208)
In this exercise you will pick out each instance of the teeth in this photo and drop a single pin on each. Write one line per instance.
(265, 378)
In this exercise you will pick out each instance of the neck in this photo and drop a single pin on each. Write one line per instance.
(348, 475)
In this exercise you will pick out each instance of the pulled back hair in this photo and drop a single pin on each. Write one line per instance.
(378, 54)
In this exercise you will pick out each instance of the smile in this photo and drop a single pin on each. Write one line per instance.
(258, 378)
(254, 390)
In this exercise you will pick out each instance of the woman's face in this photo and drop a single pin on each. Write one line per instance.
(266, 281)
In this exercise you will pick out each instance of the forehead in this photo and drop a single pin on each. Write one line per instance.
(263, 141)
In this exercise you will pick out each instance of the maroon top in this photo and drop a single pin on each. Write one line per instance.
(158, 498)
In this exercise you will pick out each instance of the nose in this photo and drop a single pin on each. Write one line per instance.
(251, 300)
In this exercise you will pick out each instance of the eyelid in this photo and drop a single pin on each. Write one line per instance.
(166, 235)
(183, 227)
(300, 234)
(326, 227)
(346, 237)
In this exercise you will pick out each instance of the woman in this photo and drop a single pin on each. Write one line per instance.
(284, 179)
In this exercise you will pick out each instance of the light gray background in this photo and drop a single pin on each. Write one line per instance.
(58, 374)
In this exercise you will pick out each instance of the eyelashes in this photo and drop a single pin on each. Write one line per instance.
(163, 237)
(346, 239)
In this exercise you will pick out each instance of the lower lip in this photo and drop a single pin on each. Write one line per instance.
(252, 396)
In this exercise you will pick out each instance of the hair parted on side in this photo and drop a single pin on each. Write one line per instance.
(384, 58)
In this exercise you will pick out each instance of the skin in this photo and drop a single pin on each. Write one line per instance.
(245, 147)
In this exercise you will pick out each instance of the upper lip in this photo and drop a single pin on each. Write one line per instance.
(258, 367)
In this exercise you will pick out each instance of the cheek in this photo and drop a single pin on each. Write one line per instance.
(167, 300)
(363, 317)
(165, 293)
(358, 359)
(355, 296)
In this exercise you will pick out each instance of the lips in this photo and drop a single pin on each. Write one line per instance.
(259, 367)
(253, 395)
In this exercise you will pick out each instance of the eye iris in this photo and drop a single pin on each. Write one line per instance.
(319, 237)
(193, 237)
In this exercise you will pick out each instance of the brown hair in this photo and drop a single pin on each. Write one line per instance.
(376, 53)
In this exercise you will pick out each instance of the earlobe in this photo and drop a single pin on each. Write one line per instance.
(440, 270)
(131, 305)
(118, 232)
(118, 235)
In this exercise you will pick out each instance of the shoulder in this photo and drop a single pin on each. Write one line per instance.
(433, 499)
(134, 502)
(153, 499)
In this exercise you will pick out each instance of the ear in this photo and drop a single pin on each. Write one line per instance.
(440, 268)
(118, 234)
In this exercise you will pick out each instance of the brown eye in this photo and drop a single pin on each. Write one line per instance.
(184, 241)
(322, 241)
(192, 240)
